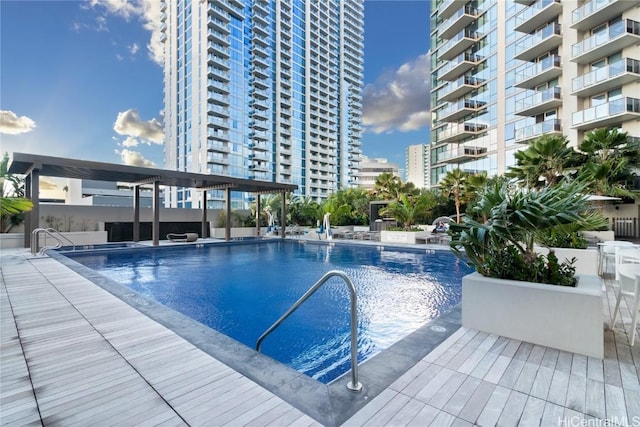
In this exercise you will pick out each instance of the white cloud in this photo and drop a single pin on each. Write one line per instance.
(399, 100)
(11, 124)
(134, 158)
(133, 48)
(128, 123)
(147, 11)
(130, 142)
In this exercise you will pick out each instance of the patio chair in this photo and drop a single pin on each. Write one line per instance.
(628, 278)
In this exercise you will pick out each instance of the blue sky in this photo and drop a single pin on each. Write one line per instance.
(84, 80)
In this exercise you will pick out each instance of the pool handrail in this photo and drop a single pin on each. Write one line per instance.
(352, 385)
(53, 233)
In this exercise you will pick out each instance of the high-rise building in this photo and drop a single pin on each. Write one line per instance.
(505, 72)
(417, 166)
(264, 90)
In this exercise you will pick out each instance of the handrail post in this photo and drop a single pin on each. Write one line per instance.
(354, 384)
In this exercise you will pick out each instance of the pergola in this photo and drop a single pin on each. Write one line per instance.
(33, 166)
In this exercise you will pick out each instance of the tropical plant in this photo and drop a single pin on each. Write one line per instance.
(453, 186)
(13, 204)
(546, 161)
(304, 211)
(609, 160)
(348, 206)
(407, 211)
(517, 219)
(391, 187)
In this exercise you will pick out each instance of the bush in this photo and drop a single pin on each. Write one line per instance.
(509, 263)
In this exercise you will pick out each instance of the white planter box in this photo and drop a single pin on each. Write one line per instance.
(402, 236)
(586, 259)
(561, 317)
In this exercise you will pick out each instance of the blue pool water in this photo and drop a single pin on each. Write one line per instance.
(241, 289)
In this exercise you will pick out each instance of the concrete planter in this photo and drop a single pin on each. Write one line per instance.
(402, 236)
(586, 259)
(565, 318)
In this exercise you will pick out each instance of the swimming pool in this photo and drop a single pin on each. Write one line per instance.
(240, 289)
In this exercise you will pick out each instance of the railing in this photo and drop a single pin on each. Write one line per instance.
(624, 65)
(353, 385)
(625, 26)
(625, 228)
(51, 232)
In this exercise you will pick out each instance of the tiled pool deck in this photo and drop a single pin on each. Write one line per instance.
(74, 354)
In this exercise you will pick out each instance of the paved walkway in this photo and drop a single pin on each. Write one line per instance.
(73, 354)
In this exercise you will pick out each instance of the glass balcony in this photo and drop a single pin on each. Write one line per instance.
(465, 16)
(458, 44)
(217, 86)
(622, 34)
(218, 146)
(217, 158)
(218, 98)
(458, 88)
(596, 12)
(459, 132)
(617, 74)
(540, 42)
(218, 110)
(218, 24)
(449, 7)
(610, 113)
(462, 108)
(528, 133)
(462, 154)
(218, 73)
(458, 66)
(537, 15)
(539, 102)
(531, 75)
(218, 122)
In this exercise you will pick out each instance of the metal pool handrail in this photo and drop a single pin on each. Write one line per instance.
(353, 385)
(53, 233)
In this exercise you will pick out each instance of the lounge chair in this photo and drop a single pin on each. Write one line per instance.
(182, 237)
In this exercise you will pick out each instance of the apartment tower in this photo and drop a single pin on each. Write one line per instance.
(505, 72)
(417, 165)
(263, 90)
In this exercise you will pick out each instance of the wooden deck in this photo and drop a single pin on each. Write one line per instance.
(73, 354)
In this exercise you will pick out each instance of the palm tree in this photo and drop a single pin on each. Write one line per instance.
(390, 187)
(304, 211)
(407, 211)
(13, 204)
(348, 206)
(545, 162)
(454, 185)
(609, 157)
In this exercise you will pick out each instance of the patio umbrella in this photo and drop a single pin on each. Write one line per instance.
(597, 198)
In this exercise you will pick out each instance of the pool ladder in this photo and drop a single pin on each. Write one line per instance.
(352, 385)
(51, 232)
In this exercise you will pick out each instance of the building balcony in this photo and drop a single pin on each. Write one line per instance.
(595, 12)
(526, 134)
(259, 135)
(449, 7)
(539, 102)
(600, 80)
(524, 2)
(218, 37)
(218, 24)
(458, 44)
(259, 167)
(217, 98)
(542, 41)
(218, 61)
(218, 159)
(258, 146)
(458, 22)
(536, 15)
(217, 86)
(260, 40)
(462, 154)
(218, 73)
(259, 114)
(531, 75)
(622, 34)
(460, 109)
(217, 122)
(607, 114)
(220, 147)
(258, 156)
(458, 88)
(458, 66)
(217, 110)
(459, 132)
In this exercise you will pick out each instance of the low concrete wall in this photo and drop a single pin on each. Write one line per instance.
(402, 236)
(16, 240)
(586, 259)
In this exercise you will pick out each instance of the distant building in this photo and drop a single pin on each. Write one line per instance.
(88, 192)
(263, 90)
(371, 168)
(417, 165)
(505, 72)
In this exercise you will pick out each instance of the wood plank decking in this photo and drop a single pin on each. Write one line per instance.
(73, 354)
